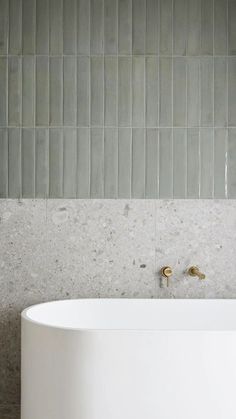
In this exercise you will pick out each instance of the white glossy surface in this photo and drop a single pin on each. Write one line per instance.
(129, 359)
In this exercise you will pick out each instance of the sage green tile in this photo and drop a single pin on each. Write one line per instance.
(69, 163)
(207, 27)
(139, 26)
(97, 91)
(110, 26)
(15, 27)
(193, 163)
(3, 163)
(220, 92)
(28, 162)
(14, 90)
(14, 163)
(42, 27)
(138, 91)
(165, 163)
(231, 164)
(194, 27)
(152, 26)
(152, 100)
(231, 27)
(69, 91)
(124, 162)
(4, 22)
(180, 27)
(42, 90)
(166, 26)
(3, 91)
(28, 26)
(152, 163)
(165, 98)
(220, 162)
(206, 162)
(110, 163)
(69, 27)
(83, 91)
(56, 27)
(111, 93)
(83, 163)
(138, 163)
(83, 27)
(193, 91)
(220, 27)
(125, 26)
(232, 91)
(41, 163)
(55, 163)
(96, 26)
(56, 91)
(124, 91)
(179, 92)
(179, 163)
(97, 163)
(28, 90)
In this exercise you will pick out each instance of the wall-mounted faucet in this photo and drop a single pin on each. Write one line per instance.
(166, 272)
(194, 271)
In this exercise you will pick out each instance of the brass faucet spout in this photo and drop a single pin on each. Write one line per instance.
(194, 271)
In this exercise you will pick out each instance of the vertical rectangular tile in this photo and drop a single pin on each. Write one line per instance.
(166, 16)
(165, 163)
(111, 94)
(193, 92)
(180, 163)
(220, 27)
(110, 163)
(3, 91)
(151, 91)
(232, 27)
(69, 27)
(231, 166)
(138, 163)
(206, 162)
(193, 163)
(232, 91)
(42, 27)
(28, 90)
(15, 27)
(42, 90)
(69, 91)
(180, 27)
(207, 27)
(96, 26)
(28, 26)
(4, 22)
(124, 91)
(124, 162)
(69, 163)
(55, 163)
(138, 91)
(194, 27)
(97, 163)
(139, 26)
(14, 90)
(125, 26)
(83, 27)
(220, 148)
(41, 163)
(152, 163)
(56, 91)
(28, 162)
(83, 91)
(83, 163)
(56, 27)
(179, 92)
(14, 163)
(165, 97)
(110, 26)
(3, 163)
(97, 91)
(220, 91)
(152, 26)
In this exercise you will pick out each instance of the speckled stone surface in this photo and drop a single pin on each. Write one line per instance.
(106, 248)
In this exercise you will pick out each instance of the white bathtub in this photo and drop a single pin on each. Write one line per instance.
(129, 359)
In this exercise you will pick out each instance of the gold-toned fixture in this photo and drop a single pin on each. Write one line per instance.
(194, 271)
(166, 272)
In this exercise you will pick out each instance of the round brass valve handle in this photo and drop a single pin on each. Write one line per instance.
(166, 271)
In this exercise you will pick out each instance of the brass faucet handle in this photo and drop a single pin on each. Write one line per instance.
(167, 272)
(194, 271)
